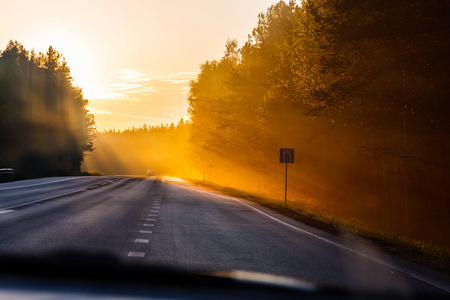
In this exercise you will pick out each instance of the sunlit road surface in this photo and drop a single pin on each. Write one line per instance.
(165, 221)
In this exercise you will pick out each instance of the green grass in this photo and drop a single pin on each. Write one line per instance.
(391, 242)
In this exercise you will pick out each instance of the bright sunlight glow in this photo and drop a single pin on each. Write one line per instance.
(131, 52)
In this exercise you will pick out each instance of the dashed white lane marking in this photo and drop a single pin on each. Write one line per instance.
(150, 219)
(141, 241)
(440, 285)
(155, 211)
(145, 231)
(6, 211)
(36, 184)
(136, 254)
(147, 225)
(150, 215)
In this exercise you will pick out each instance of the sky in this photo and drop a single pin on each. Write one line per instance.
(133, 59)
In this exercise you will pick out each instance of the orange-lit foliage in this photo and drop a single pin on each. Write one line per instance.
(162, 149)
(359, 89)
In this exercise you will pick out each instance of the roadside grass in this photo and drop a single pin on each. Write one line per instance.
(90, 174)
(95, 174)
(422, 252)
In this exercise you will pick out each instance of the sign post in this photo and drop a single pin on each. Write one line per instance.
(287, 157)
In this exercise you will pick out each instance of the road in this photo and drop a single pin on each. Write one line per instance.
(162, 221)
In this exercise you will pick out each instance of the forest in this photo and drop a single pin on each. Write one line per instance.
(359, 88)
(162, 149)
(45, 128)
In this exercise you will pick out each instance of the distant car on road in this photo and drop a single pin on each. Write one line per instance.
(150, 173)
(7, 174)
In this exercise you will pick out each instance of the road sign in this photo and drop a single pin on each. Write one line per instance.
(287, 155)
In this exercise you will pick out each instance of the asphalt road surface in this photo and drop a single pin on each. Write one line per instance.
(162, 221)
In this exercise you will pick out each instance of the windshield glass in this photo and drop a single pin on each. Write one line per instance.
(306, 139)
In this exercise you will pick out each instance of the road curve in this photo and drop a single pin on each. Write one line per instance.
(163, 222)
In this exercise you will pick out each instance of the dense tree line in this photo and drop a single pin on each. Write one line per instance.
(162, 149)
(45, 128)
(359, 88)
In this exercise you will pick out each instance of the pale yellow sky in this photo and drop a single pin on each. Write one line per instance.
(134, 59)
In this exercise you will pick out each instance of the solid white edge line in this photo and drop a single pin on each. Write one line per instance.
(6, 211)
(136, 254)
(438, 285)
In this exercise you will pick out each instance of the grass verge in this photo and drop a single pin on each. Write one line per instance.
(90, 174)
(424, 253)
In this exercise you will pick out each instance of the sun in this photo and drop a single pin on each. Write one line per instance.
(76, 51)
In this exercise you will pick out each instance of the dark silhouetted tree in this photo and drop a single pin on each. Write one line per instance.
(45, 128)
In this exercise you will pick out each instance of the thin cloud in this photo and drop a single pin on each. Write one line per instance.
(138, 83)
(177, 78)
(130, 74)
(135, 98)
(131, 83)
(125, 86)
(107, 112)
(102, 92)
(148, 89)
